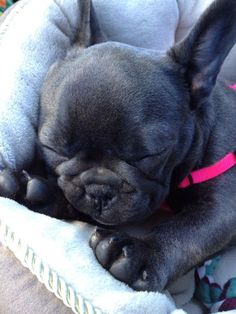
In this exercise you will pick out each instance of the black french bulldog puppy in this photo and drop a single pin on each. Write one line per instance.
(121, 127)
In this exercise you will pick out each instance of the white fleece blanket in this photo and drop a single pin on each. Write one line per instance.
(64, 247)
(32, 37)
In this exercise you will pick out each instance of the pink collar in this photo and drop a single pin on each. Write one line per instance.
(208, 173)
(233, 86)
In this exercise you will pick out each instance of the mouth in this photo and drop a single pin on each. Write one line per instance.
(123, 209)
(105, 223)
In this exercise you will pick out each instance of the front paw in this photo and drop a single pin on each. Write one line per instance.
(26, 189)
(9, 183)
(128, 259)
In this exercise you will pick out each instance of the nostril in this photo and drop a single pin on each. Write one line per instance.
(89, 197)
(107, 201)
(104, 204)
(108, 196)
(96, 201)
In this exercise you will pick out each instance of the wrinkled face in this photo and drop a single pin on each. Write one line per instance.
(113, 129)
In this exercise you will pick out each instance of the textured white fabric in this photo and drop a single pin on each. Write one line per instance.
(64, 247)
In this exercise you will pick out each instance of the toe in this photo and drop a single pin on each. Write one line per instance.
(97, 236)
(108, 250)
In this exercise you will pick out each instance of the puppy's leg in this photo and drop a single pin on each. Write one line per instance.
(203, 228)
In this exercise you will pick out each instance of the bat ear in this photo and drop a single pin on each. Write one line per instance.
(89, 32)
(202, 53)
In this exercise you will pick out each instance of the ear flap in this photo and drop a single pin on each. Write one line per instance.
(89, 32)
(203, 51)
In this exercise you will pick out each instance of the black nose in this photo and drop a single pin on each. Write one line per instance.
(101, 196)
(101, 186)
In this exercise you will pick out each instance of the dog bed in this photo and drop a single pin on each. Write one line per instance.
(57, 252)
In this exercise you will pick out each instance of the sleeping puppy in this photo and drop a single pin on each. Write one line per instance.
(120, 128)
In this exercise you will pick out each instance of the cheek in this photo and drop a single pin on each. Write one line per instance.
(128, 209)
(69, 188)
(153, 168)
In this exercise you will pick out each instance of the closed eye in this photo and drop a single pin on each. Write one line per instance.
(150, 165)
(158, 154)
(55, 151)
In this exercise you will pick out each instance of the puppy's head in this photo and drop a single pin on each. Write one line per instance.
(119, 125)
